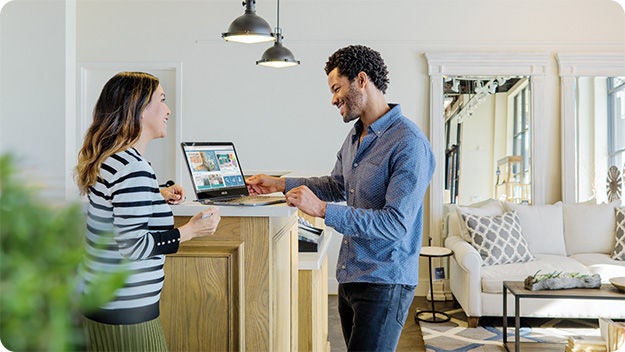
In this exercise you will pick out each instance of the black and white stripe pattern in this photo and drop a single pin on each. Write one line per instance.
(130, 226)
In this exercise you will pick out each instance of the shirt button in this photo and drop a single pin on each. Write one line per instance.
(343, 267)
(355, 164)
(351, 190)
(345, 241)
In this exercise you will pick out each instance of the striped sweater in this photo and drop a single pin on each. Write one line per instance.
(129, 225)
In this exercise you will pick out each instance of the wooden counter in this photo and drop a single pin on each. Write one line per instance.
(313, 296)
(238, 289)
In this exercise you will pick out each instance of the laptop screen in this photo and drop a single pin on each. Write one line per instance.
(214, 168)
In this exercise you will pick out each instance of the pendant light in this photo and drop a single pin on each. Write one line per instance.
(278, 56)
(249, 27)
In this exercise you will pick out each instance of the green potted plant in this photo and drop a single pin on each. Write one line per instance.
(41, 248)
(559, 281)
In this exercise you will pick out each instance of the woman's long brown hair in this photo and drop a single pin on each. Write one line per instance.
(116, 123)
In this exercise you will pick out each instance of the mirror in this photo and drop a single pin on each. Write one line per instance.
(487, 139)
(593, 125)
(530, 66)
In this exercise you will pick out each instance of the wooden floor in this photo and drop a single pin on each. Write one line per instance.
(410, 339)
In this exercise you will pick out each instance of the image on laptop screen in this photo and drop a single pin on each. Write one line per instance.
(215, 169)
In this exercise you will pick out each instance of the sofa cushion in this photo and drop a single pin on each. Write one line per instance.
(602, 264)
(542, 227)
(619, 246)
(588, 228)
(457, 225)
(498, 238)
(493, 276)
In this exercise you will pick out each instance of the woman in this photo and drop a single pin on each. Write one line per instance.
(124, 199)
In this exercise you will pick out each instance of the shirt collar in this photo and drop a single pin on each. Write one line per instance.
(382, 124)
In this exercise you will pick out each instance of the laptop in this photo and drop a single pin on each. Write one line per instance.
(217, 177)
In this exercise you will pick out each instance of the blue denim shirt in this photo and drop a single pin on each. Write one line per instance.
(383, 182)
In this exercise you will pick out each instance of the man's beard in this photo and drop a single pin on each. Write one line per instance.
(352, 99)
(350, 117)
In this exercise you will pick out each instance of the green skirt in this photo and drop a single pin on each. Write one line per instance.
(148, 336)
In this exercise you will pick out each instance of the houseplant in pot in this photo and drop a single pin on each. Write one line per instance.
(41, 248)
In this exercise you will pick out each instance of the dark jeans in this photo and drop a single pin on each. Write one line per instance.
(373, 315)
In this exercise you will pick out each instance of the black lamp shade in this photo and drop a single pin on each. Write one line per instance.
(249, 28)
(277, 56)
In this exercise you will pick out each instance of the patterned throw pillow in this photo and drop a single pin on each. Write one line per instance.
(619, 247)
(498, 238)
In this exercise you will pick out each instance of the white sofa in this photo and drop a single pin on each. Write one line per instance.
(561, 238)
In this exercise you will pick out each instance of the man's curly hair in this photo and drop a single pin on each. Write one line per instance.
(353, 59)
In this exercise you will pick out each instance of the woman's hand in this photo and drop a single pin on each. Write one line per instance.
(173, 194)
(201, 224)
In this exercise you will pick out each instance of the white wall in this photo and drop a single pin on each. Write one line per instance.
(279, 119)
(223, 87)
(32, 91)
(585, 138)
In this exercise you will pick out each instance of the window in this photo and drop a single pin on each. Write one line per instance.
(616, 122)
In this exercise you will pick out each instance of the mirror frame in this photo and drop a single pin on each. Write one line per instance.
(533, 65)
(571, 66)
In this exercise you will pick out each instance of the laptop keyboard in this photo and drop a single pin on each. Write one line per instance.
(245, 200)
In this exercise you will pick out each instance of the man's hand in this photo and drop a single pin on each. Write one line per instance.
(263, 184)
(305, 200)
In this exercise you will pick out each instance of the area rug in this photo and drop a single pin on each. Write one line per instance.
(455, 336)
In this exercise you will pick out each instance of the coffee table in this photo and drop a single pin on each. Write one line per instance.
(517, 289)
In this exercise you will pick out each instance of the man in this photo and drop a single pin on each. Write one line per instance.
(382, 172)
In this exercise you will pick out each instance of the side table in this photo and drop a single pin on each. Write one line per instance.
(433, 252)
